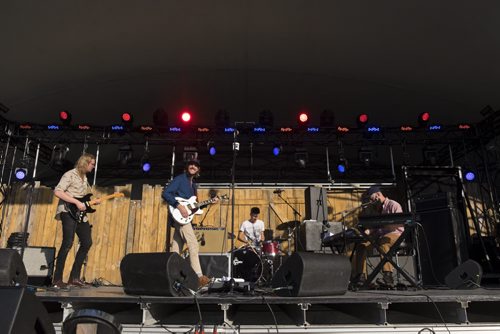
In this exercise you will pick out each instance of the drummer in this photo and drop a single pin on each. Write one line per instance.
(252, 230)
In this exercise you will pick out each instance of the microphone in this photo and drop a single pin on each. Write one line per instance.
(365, 205)
(278, 191)
(202, 240)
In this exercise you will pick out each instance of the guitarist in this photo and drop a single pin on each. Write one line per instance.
(184, 186)
(73, 184)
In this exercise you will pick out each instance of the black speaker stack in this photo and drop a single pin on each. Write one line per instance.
(442, 243)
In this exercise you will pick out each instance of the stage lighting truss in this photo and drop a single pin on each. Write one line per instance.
(125, 154)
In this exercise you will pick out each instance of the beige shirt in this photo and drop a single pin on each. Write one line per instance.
(73, 185)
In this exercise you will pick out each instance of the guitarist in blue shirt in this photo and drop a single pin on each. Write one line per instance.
(184, 186)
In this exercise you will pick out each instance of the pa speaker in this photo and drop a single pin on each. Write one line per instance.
(39, 263)
(22, 312)
(465, 276)
(312, 274)
(158, 274)
(12, 270)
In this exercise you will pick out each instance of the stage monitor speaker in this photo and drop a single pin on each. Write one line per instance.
(466, 276)
(316, 204)
(12, 270)
(312, 274)
(158, 274)
(39, 263)
(22, 312)
(442, 243)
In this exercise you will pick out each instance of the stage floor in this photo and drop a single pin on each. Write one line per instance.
(379, 308)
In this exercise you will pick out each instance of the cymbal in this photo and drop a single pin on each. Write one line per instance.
(287, 225)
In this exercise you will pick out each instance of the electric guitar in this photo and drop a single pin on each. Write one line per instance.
(193, 208)
(79, 215)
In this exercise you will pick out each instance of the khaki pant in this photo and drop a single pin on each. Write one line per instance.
(385, 242)
(185, 233)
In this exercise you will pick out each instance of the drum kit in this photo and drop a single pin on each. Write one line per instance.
(258, 263)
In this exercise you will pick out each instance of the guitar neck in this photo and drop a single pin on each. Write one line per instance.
(104, 198)
(203, 203)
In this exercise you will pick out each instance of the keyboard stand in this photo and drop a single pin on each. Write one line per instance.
(388, 257)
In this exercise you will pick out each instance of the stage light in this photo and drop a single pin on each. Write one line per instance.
(186, 116)
(277, 150)
(21, 173)
(65, 117)
(301, 157)
(327, 119)
(125, 154)
(127, 118)
(430, 155)
(190, 153)
(303, 118)
(145, 164)
(221, 118)
(361, 120)
(58, 156)
(211, 148)
(470, 176)
(423, 119)
(365, 156)
(341, 167)
(160, 119)
(266, 118)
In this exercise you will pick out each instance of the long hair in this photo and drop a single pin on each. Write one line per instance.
(83, 162)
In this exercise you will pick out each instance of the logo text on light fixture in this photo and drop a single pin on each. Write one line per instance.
(435, 127)
(406, 128)
(175, 129)
(464, 126)
(203, 129)
(286, 129)
(312, 129)
(373, 129)
(25, 126)
(343, 129)
(83, 127)
(259, 130)
(146, 128)
(229, 130)
(117, 128)
(53, 127)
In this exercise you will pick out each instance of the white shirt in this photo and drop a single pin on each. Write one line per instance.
(252, 230)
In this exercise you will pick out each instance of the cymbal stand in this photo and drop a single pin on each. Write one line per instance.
(296, 217)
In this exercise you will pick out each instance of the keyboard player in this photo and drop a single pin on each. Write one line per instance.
(385, 238)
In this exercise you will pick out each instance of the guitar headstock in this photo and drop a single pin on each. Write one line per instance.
(118, 195)
(225, 196)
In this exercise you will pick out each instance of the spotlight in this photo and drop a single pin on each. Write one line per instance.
(365, 156)
(160, 119)
(211, 148)
(125, 154)
(430, 155)
(342, 165)
(303, 118)
(327, 119)
(277, 150)
(221, 118)
(423, 119)
(21, 173)
(127, 118)
(145, 164)
(65, 117)
(59, 152)
(190, 153)
(470, 176)
(301, 158)
(186, 116)
(362, 120)
(266, 118)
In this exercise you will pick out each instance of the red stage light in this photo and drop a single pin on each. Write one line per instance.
(303, 118)
(126, 117)
(65, 117)
(186, 116)
(424, 118)
(362, 119)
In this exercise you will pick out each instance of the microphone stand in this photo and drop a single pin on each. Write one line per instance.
(296, 217)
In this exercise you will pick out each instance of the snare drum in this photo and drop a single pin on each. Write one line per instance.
(247, 264)
(270, 248)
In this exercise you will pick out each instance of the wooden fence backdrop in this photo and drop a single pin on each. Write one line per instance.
(122, 225)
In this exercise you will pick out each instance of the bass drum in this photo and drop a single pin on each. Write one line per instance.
(247, 264)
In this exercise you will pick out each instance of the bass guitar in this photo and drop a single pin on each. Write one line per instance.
(193, 208)
(79, 215)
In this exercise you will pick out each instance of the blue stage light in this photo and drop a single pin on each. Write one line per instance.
(20, 173)
(341, 168)
(470, 176)
(212, 150)
(146, 167)
(276, 150)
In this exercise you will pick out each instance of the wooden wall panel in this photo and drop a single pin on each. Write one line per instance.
(122, 226)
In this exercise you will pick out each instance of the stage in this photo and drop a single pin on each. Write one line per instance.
(369, 311)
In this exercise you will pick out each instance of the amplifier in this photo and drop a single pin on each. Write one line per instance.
(212, 239)
(310, 234)
(39, 263)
